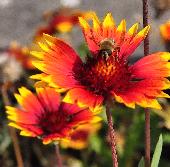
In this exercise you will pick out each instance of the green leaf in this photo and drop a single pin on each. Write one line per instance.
(157, 153)
(82, 50)
(141, 163)
(95, 143)
(166, 138)
(133, 139)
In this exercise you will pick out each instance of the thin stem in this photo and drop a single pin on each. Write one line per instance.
(58, 155)
(17, 150)
(111, 135)
(12, 131)
(147, 113)
(147, 138)
(145, 23)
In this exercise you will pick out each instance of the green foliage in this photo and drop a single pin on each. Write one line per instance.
(133, 139)
(100, 146)
(157, 152)
(166, 138)
(82, 50)
(5, 140)
(96, 143)
(141, 163)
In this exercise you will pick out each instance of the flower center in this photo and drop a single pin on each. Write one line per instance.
(101, 73)
(54, 121)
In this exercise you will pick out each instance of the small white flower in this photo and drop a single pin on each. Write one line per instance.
(70, 3)
(10, 69)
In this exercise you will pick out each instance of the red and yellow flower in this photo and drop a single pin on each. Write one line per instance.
(165, 31)
(79, 139)
(45, 116)
(62, 21)
(106, 72)
(21, 54)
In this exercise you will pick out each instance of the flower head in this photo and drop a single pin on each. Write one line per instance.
(44, 116)
(165, 31)
(79, 139)
(21, 54)
(106, 72)
(61, 21)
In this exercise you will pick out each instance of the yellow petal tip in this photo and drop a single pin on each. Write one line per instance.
(83, 23)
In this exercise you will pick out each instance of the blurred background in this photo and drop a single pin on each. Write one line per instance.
(22, 22)
(20, 18)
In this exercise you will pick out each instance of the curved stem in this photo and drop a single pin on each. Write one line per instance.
(111, 135)
(147, 113)
(12, 131)
(58, 155)
(17, 149)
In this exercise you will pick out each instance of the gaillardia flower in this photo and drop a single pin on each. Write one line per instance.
(21, 54)
(44, 116)
(61, 21)
(165, 31)
(106, 72)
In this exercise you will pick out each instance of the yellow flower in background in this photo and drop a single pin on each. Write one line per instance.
(21, 54)
(61, 21)
(165, 31)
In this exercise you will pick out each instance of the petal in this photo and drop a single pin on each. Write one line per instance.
(28, 101)
(96, 22)
(84, 116)
(57, 60)
(120, 33)
(153, 66)
(83, 98)
(39, 55)
(132, 42)
(133, 30)
(52, 138)
(24, 132)
(108, 21)
(88, 34)
(143, 93)
(83, 23)
(20, 116)
(70, 108)
(29, 129)
(49, 98)
(27, 133)
(108, 27)
(46, 80)
(60, 46)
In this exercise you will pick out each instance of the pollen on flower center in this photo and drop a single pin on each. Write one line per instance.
(53, 122)
(99, 74)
